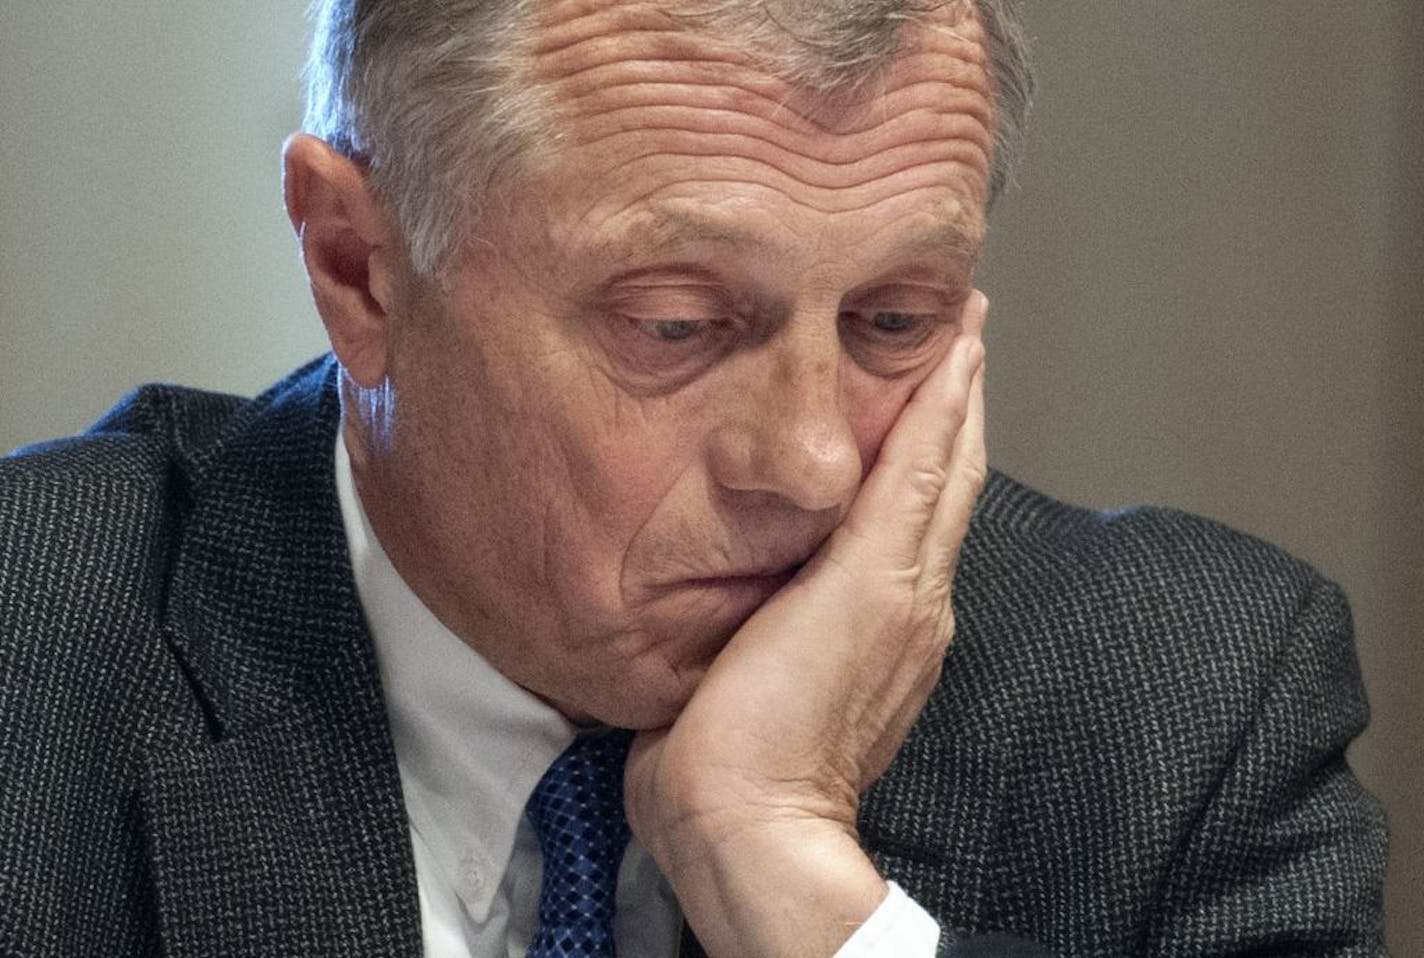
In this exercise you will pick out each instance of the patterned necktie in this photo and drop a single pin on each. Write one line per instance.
(577, 813)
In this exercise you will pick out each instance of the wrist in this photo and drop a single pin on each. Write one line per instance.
(791, 887)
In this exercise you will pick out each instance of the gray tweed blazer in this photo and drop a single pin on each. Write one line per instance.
(1137, 747)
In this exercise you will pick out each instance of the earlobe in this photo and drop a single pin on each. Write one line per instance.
(345, 239)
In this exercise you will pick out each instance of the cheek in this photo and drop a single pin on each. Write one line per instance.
(622, 458)
(873, 405)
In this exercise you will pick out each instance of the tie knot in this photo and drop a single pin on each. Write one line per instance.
(577, 814)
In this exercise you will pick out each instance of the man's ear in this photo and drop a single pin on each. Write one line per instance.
(350, 249)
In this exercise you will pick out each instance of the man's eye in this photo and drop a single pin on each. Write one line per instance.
(659, 355)
(888, 342)
(671, 330)
(893, 322)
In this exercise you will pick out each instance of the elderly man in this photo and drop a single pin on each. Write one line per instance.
(650, 450)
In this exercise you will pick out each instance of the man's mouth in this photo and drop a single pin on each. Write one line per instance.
(755, 577)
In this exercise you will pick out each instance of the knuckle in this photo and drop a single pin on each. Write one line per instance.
(926, 481)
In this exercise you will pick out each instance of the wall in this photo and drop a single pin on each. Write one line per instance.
(1206, 288)
(142, 234)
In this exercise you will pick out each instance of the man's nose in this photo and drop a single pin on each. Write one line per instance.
(790, 435)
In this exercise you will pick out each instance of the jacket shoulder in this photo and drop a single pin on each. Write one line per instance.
(88, 529)
(96, 682)
(1153, 558)
(94, 528)
(1151, 612)
(89, 512)
(146, 435)
(1143, 703)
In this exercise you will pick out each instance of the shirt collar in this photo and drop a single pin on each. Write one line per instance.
(471, 744)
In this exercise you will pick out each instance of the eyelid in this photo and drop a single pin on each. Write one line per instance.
(906, 298)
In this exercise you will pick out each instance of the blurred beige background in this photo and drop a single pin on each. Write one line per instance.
(1207, 286)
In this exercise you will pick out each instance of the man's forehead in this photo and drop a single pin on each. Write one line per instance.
(665, 136)
(761, 40)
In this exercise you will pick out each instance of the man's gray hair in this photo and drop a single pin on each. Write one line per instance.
(429, 96)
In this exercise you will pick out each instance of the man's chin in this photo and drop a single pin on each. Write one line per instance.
(644, 691)
(649, 671)
(653, 694)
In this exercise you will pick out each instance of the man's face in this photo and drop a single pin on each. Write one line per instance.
(657, 383)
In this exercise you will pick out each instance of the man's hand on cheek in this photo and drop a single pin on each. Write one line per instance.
(748, 801)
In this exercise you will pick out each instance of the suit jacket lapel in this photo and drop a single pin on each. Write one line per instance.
(280, 841)
(285, 831)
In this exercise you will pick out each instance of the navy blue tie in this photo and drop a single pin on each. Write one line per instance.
(577, 813)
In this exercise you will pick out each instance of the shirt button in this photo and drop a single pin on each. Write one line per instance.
(472, 879)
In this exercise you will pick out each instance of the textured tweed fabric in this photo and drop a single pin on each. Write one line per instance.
(1137, 747)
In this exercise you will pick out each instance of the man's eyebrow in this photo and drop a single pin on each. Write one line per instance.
(957, 241)
(663, 232)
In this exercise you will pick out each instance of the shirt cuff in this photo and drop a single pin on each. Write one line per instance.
(898, 928)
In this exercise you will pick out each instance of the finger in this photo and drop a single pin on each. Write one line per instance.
(896, 504)
(969, 466)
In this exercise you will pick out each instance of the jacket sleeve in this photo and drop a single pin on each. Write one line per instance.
(1287, 857)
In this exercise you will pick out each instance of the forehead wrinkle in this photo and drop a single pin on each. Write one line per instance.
(931, 180)
(705, 82)
(697, 78)
(892, 172)
(576, 42)
(929, 135)
(664, 96)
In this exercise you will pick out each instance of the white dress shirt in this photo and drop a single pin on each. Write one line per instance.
(471, 745)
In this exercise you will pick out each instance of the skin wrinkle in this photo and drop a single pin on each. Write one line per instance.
(928, 178)
(657, 106)
(684, 51)
(856, 145)
(590, 24)
(706, 558)
(722, 92)
(734, 123)
(833, 181)
(659, 50)
(754, 328)
(706, 77)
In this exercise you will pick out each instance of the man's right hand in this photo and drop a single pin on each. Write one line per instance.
(748, 801)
